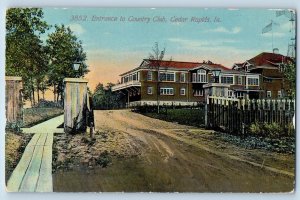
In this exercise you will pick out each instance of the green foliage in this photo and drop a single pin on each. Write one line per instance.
(104, 98)
(254, 129)
(104, 159)
(25, 53)
(23, 21)
(291, 130)
(193, 116)
(63, 49)
(271, 130)
(290, 75)
(14, 127)
(40, 65)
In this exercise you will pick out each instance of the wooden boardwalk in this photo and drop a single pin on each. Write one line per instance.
(34, 171)
(49, 126)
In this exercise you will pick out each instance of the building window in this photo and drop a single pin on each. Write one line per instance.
(253, 81)
(240, 95)
(163, 76)
(269, 94)
(201, 76)
(267, 80)
(149, 76)
(227, 79)
(194, 77)
(279, 94)
(239, 82)
(126, 79)
(182, 91)
(230, 93)
(166, 91)
(182, 77)
(149, 90)
(134, 77)
(198, 92)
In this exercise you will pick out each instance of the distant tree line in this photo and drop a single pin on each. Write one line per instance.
(105, 99)
(41, 63)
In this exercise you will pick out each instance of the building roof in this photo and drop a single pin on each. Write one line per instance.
(264, 60)
(185, 65)
(172, 64)
(211, 67)
(175, 65)
(268, 58)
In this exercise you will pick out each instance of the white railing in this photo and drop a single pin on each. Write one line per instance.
(163, 103)
(126, 85)
(281, 103)
(216, 85)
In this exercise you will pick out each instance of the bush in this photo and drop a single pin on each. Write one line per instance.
(255, 129)
(291, 130)
(188, 115)
(15, 127)
(48, 104)
(103, 159)
(271, 130)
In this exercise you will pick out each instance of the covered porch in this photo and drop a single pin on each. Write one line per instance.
(129, 92)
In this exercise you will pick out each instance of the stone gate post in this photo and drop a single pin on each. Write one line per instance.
(75, 103)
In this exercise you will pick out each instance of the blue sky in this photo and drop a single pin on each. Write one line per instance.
(115, 47)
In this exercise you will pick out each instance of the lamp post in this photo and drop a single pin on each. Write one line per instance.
(76, 67)
(216, 74)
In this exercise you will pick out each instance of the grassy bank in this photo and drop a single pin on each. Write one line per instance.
(33, 116)
(186, 116)
(15, 144)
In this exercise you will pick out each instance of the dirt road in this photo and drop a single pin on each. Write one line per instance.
(178, 158)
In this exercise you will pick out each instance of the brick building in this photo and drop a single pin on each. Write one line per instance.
(141, 84)
(270, 67)
(188, 83)
(184, 83)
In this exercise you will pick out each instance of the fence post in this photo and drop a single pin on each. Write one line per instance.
(206, 112)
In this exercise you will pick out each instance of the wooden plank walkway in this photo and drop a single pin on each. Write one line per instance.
(49, 126)
(34, 171)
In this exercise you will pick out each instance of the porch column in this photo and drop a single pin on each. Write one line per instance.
(75, 104)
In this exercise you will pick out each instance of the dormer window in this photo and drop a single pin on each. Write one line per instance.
(201, 76)
(149, 76)
(246, 68)
(239, 80)
(194, 78)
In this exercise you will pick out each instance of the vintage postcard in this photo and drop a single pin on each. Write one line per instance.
(150, 100)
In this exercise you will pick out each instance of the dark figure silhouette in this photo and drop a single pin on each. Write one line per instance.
(90, 117)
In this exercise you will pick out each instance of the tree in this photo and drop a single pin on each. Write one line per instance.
(155, 57)
(25, 55)
(104, 98)
(290, 75)
(63, 49)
